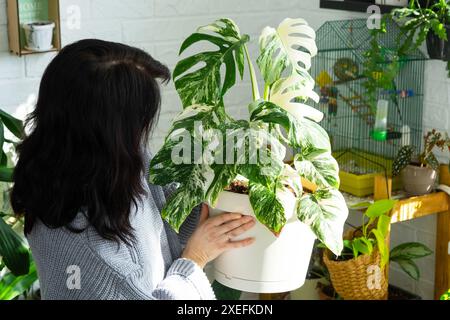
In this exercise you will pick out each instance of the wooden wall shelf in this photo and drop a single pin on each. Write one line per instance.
(25, 11)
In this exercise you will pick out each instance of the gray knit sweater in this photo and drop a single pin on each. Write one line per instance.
(149, 269)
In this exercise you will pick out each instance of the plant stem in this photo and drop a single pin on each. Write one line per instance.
(255, 89)
(266, 92)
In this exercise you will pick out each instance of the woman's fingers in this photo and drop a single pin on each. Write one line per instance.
(239, 244)
(240, 230)
(223, 218)
(233, 224)
(226, 237)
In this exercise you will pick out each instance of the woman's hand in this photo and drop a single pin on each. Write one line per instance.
(213, 235)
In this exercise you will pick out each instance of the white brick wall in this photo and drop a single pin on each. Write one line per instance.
(159, 26)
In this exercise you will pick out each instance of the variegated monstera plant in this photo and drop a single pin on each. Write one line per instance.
(278, 119)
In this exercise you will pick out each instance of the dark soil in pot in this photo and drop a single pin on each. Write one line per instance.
(237, 186)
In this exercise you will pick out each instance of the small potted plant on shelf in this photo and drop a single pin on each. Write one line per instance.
(365, 257)
(360, 272)
(419, 173)
(39, 35)
(238, 165)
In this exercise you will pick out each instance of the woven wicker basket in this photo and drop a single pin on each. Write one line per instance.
(351, 280)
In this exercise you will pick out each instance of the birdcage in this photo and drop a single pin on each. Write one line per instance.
(350, 119)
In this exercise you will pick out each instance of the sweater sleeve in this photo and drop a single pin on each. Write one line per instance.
(185, 280)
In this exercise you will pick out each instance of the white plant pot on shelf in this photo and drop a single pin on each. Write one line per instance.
(271, 264)
(39, 35)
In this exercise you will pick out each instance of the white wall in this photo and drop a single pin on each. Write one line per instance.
(159, 26)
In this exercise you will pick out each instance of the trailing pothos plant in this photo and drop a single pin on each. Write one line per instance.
(278, 119)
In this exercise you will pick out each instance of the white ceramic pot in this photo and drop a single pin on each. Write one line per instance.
(39, 35)
(270, 264)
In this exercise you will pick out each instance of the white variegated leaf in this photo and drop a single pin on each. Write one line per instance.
(291, 45)
(325, 211)
(287, 91)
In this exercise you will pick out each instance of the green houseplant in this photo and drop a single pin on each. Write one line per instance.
(419, 172)
(195, 156)
(365, 248)
(17, 269)
(425, 20)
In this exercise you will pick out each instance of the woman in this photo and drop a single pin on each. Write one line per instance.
(92, 220)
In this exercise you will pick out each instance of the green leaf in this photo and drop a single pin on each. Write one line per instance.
(14, 253)
(439, 29)
(325, 211)
(6, 174)
(380, 207)
(361, 205)
(410, 250)
(13, 286)
(322, 169)
(402, 159)
(14, 125)
(2, 139)
(382, 247)
(368, 243)
(291, 45)
(4, 159)
(347, 244)
(267, 207)
(302, 133)
(432, 161)
(360, 246)
(383, 225)
(409, 267)
(203, 84)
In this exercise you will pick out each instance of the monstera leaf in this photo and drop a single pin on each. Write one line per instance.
(204, 84)
(325, 211)
(291, 45)
(302, 133)
(185, 158)
(288, 94)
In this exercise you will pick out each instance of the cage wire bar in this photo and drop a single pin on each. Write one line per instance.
(349, 120)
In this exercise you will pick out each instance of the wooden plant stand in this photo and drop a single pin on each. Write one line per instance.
(421, 206)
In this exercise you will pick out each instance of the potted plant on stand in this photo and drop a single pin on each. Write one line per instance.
(237, 165)
(425, 20)
(419, 173)
(360, 272)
